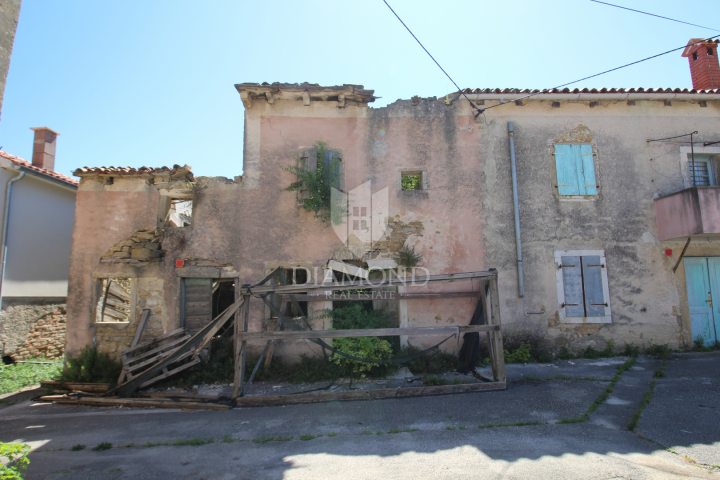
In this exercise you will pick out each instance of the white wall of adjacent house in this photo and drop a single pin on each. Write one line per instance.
(39, 237)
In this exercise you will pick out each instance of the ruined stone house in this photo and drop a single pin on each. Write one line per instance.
(604, 214)
(38, 208)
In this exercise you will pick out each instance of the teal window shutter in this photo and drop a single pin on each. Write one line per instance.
(575, 170)
(588, 166)
(567, 174)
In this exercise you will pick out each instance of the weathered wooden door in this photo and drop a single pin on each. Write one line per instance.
(714, 272)
(700, 297)
(197, 303)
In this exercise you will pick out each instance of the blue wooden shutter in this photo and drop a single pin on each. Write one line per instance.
(332, 172)
(592, 280)
(588, 168)
(566, 165)
(573, 288)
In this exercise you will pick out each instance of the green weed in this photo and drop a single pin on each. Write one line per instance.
(305, 438)
(91, 366)
(450, 428)
(194, 441)
(519, 355)
(118, 469)
(410, 430)
(566, 354)
(77, 448)
(102, 446)
(393, 431)
(510, 424)
(367, 431)
(263, 440)
(332, 434)
(662, 352)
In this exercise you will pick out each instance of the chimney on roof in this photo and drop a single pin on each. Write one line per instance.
(44, 148)
(704, 66)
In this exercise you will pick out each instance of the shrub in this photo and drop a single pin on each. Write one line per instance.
(17, 461)
(520, 355)
(542, 356)
(700, 346)
(662, 352)
(102, 446)
(365, 347)
(407, 257)
(566, 354)
(91, 366)
(318, 184)
(631, 350)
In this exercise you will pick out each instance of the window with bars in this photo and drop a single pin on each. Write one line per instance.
(701, 172)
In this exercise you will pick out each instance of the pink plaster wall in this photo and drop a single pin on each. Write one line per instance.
(102, 219)
(689, 212)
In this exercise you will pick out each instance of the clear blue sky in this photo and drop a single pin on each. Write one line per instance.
(150, 82)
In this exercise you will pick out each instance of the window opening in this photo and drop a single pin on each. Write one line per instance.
(411, 181)
(710, 51)
(114, 300)
(179, 213)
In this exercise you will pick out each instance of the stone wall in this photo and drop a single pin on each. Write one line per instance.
(28, 331)
(143, 246)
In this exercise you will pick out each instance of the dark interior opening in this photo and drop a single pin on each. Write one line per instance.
(222, 297)
(710, 51)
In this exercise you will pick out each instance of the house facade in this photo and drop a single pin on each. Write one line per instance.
(38, 209)
(598, 238)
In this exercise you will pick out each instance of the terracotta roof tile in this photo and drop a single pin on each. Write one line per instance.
(590, 90)
(133, 171)
(24, 163)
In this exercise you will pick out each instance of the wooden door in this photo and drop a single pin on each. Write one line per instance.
(702, 320)
(198, 303)
(714, 272)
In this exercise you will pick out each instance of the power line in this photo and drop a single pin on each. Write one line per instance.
(426, 51)
(653, 15)
(603, 73)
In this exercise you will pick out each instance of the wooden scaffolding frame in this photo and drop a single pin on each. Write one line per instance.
(286, 294)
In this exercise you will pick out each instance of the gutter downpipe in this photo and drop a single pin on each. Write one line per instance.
(6, 222)
(521, 284)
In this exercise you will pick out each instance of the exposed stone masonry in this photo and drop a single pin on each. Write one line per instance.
(30, 331)
(143, 246)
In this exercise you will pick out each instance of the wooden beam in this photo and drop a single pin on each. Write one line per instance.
(241, 350)
(370, 332)
(417, 281)
(156, 340)
(136, 402)
(497, 334)
(349, 297)
(368, 394)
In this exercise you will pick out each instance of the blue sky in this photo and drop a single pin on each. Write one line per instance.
(150, 82)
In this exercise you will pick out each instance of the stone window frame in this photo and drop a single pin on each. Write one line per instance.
(553, 173)
(686, 153)
(561, 286)
(412, 171)
(98, 293)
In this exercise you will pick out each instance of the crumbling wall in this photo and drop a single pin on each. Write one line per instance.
(28, 331)
(143, 246)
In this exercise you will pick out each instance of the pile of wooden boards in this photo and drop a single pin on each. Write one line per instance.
(89, 394)
(138, 358)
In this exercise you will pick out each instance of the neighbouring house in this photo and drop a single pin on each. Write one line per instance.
(38, 209)
(604, 211)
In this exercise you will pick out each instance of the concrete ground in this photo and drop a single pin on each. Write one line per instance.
(430, 437)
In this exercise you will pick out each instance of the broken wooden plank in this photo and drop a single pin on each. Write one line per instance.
(177, 395)
(317, 397)
(118, 291)
(179, 331)
(141, 402)
(134, 368)
(87, 387)
(418, 281)
(173, 371)
(136, 339)
(369, 332)
(162, 348)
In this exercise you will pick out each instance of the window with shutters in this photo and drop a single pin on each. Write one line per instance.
(325, 161)
(582, 282)
(575, 170)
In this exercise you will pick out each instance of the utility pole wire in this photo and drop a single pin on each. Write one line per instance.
(653, 15)
(602, 73)
(433, 58)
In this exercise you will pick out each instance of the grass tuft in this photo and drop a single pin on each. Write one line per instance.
(194, 441)
(511, 424)
(102, 446)
(262, 440)
(305, 438)
(77, 448)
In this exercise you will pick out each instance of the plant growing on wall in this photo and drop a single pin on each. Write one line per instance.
(315, 180)
(407, 257)
(16, 460)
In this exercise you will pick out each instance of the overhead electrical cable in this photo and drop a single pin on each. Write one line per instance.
(603, 73)
(653, 15)
(481, 110)
(426, 51)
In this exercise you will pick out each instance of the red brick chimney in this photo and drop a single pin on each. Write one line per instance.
(704, 66)
(44, 148)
